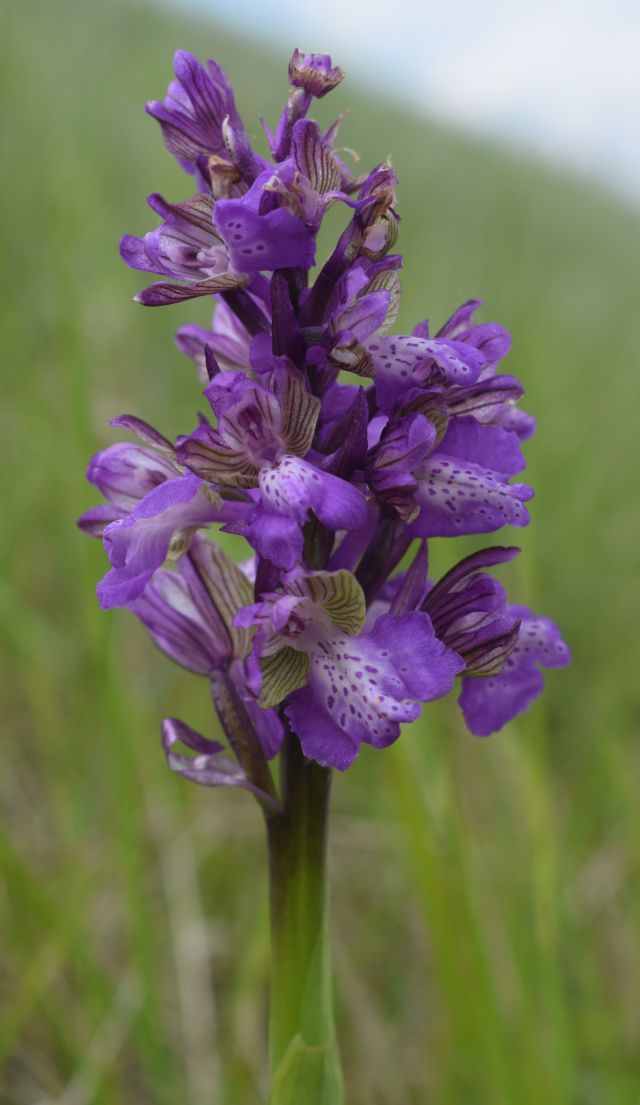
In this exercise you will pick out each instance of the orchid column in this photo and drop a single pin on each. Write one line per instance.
(317, 643)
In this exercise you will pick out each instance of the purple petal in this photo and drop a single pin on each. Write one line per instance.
(163, 294)
(192, 114)
(95, 520)
(176, 625)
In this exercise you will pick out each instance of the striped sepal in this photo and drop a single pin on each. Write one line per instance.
(282, 673)
(162, 293)
(386, 281)
(207, 457)
(489, 657)
(198, 211)
(227, 587)
(299, 412)
(313, 157)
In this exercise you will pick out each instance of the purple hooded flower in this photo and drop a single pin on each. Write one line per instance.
(198, 118)
(189, 612)
(344, 687)
(185, 247)
(261, 440)
(501, 644)
(488, 704)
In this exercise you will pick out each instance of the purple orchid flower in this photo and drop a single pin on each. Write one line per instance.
(199, 119)
(502, 645)
(489, 703)
(343, 687)
(261, 440)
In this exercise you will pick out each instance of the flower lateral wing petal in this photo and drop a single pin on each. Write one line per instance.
(283, 672)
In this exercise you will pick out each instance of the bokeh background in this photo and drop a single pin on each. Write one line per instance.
(486, 894)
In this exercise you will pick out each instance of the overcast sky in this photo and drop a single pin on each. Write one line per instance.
(559, 76)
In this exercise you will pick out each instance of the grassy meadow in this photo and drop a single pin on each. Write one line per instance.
(486, 894)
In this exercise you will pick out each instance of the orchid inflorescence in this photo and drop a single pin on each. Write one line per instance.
(334, 448)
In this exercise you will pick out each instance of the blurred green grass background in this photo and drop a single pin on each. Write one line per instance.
(486, 893)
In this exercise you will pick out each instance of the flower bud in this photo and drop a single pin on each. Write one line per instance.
(314, 73)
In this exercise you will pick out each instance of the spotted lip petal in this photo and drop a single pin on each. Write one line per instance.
(404, 361)
(457, 497)
(361, 689)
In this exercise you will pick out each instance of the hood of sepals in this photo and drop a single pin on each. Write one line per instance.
(258, 426)
(308, 181)
(469, 612)
(362, 304)
(391, 463)
(489, 703)
(376, 213)
(125, 472)
(491, 339)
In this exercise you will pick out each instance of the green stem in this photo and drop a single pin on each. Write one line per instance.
(305, 1065)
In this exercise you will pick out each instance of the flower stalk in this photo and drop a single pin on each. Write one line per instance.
(302, 1043)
